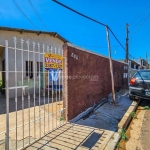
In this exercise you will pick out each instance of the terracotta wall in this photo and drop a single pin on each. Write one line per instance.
(89, 79)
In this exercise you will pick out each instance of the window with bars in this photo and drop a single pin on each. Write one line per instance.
(29, 68)
(39, 67)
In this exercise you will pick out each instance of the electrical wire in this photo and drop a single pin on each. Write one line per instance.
(140, 14)
(120, 42)
(116, 38)
(141, 24)
(79, 13)
(141, 21)
(2, 16)
(98, 46)
(93, 21)
(37, 13)
(24, 14)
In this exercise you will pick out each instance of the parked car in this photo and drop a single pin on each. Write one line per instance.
(140, 85)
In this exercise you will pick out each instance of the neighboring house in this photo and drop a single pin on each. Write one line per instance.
(51, 39)
(144, 64)
(134, 65)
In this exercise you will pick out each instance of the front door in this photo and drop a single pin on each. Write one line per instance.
(3, 75)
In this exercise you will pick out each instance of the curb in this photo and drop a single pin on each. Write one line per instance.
(112, 143)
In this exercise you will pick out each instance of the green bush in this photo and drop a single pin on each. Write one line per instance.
(147, 107)
(133, 114)
(123, 135)
(0, 82)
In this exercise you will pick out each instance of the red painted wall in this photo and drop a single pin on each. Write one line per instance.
(89, 79)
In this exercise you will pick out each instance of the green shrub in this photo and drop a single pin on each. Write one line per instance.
(133, 114)
(0, 82)
(123, 135)
(118, 145)
(61, 118)
(147, 107)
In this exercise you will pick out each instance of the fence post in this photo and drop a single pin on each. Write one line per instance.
(7, 94)
(65, 81)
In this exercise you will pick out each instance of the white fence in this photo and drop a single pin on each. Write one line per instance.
(35, 99)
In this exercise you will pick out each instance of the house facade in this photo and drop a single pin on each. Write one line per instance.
(27, 49)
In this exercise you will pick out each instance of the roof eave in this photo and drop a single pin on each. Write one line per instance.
(55, 34)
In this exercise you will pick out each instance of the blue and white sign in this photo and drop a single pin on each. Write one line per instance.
(54, 74)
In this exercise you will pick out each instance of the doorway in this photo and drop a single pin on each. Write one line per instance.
(3, 77)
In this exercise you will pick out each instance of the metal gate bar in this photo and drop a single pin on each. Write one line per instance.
(22, 94)
(34, 91)
(7, 95)
(46, 114)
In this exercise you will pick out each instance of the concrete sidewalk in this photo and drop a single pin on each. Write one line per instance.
(73, 136)
(97, 130)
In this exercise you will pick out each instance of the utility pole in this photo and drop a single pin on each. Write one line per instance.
(111, 67)
(127, 50)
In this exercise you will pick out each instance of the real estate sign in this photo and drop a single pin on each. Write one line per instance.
(53, 61)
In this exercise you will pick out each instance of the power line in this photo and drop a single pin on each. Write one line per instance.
(2, 16)
(140, 13)
(141, 21)
(24, 14)
(93, 21)
(141, 24)
(79, 13)
(117, 39)
(98, 46)
(37, 13)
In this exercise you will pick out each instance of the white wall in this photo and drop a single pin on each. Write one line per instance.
(45, 39)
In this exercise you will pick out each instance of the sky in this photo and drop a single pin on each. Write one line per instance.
(81, 31)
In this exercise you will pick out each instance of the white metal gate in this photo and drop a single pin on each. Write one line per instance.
(35, 99)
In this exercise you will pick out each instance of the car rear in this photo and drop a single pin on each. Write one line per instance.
(140, 85)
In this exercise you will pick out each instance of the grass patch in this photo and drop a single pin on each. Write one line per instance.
(147, 108)
(61, 118)
(0, 82)
(123, 135)
(118, 145)
(133, 114)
